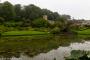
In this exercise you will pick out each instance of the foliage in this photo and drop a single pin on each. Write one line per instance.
(2, 28)
(51, 15)
(55, 30)
(17, 17)
(84, 32)
(79, 55)
(18, 12)
(1, 20)
(25, 23)
(40, 23)
(26, 14)
(8, 12)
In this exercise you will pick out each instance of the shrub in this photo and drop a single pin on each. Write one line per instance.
(55, 30)
(40, 23)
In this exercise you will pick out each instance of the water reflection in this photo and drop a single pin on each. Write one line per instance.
(62, 52)
(79, 55)
(56, 48)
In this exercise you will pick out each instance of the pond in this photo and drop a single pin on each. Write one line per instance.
(41, 47)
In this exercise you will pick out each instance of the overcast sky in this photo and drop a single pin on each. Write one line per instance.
(79, 9)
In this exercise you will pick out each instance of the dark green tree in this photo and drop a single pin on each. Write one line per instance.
(1, 10)
(18, 11)
(8, 11)
(32, 12)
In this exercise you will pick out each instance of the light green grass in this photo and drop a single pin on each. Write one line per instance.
(84, 32)
(24, 33)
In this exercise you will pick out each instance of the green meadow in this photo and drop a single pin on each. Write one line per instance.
(84, 32)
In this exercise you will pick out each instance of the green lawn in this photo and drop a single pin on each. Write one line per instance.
(84, 32)
(11, 33)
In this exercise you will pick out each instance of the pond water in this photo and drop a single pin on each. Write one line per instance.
(57, 52)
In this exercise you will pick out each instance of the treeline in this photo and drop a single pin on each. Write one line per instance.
(17, 15)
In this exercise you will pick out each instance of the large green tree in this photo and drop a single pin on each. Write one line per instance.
(32, 12)
(18, 11)
(1, 10)
(8, 11)
(26, 14)
(51, 15)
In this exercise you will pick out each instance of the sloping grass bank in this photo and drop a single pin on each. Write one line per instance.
(84, 32)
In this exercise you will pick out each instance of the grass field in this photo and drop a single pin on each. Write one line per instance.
(13, 33)
(84, 32)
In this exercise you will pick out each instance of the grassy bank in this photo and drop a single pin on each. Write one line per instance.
(84, 32)
(23, 33)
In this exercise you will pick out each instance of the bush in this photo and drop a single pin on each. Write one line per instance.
(1, 19)
(55, 30)
(2, 28)
(40, 23)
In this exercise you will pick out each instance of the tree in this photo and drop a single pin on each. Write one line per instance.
(32, 12)
(18, 11)
(51, 15)
(8, 11)
(66, 17)
(26, 14)
(56, 16)
(48, 13)
(1, 10)
(26, 23)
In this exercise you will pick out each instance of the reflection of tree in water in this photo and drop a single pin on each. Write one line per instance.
(7, 55)
(6, 59)
(13, 47)
(79, 55)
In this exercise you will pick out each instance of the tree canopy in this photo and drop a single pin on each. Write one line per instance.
(26, 14)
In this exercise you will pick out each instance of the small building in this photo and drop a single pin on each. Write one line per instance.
(45, 17)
